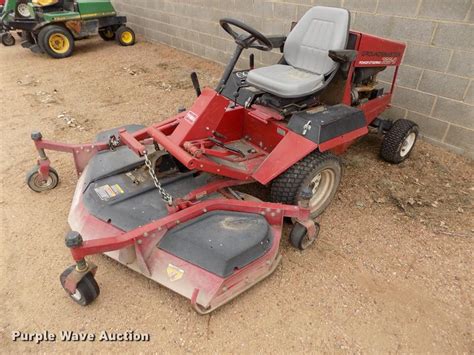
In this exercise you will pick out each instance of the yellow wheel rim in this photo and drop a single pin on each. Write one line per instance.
(126, 37)
(59, 43)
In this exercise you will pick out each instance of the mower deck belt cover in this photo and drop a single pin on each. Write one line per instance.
(323, 126)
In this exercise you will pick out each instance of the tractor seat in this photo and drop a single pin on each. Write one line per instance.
(306, 53)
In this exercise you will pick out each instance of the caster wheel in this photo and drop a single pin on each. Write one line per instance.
(87, 289)
(8, 40)
(125, 36)
(107, 34)
(34, 181)
(399, 141)
(299, 237)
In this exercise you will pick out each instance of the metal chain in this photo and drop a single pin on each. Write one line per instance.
(166, 197)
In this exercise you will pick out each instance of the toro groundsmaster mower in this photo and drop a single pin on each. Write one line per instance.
(52, 26)
(165, 199)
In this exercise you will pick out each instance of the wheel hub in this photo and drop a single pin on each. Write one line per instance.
(40, 182)
(59, 43)
(321, 186)
(407, 144)
(76, 295)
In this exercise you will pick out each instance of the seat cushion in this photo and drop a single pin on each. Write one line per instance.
(285, 81)
(320, 29)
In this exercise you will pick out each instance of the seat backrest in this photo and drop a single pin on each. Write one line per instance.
(320, 29)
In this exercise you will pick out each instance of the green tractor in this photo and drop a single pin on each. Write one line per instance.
(52, 26)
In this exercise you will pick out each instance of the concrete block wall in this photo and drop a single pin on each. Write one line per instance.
(435, 85)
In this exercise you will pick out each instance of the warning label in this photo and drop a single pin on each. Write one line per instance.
(106, 192)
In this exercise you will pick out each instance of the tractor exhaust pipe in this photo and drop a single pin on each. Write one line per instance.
(197, 86)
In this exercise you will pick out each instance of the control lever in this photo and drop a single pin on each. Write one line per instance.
(221, 144)
(252, 61)
(197, 86)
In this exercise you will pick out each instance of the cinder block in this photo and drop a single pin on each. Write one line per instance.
(456, 112)
(408, 76)
(445, 85)
(461, 137)
(361, 5)
(394, 113)
(333, 3)
(462, 63)
(429, 127)
(445, 10)
(427, 57)
(395, 27)
(398, 7)
(284, 11)
(414, 100)
(469, 99)
(453, 35)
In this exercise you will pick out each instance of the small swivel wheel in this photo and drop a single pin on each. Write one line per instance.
(8, 39)
(38, 184)
(87, 290)
(299, 237)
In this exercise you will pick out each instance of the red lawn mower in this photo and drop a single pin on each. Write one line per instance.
(166, 201)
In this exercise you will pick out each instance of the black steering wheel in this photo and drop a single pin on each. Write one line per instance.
(243, 40)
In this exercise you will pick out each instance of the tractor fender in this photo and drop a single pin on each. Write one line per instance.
(334, 128)
(291, 149)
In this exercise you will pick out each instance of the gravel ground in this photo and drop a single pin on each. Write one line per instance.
(392, 271)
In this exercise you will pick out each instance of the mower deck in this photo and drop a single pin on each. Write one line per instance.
(209, 252)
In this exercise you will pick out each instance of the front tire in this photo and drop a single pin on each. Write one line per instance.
(56, 41)
(87, 290)
(320, 172)
(125, 36)
(8, 40)
(399, 141)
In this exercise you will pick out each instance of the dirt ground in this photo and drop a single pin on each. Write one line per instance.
(392, 271)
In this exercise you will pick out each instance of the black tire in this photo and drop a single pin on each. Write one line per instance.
(8, 40)
(125, 36)
(107, 34)
(399, 141)
(56, 41)
(37, 185)
(87, 290)
(299, 237)
(287, 187)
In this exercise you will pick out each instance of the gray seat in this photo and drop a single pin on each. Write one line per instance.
(306, 53)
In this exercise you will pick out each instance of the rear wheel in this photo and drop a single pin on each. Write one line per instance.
(8, 40)
(56, 41)
(107, 34)
(399, 141)
(125, 36)
(318, 172)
